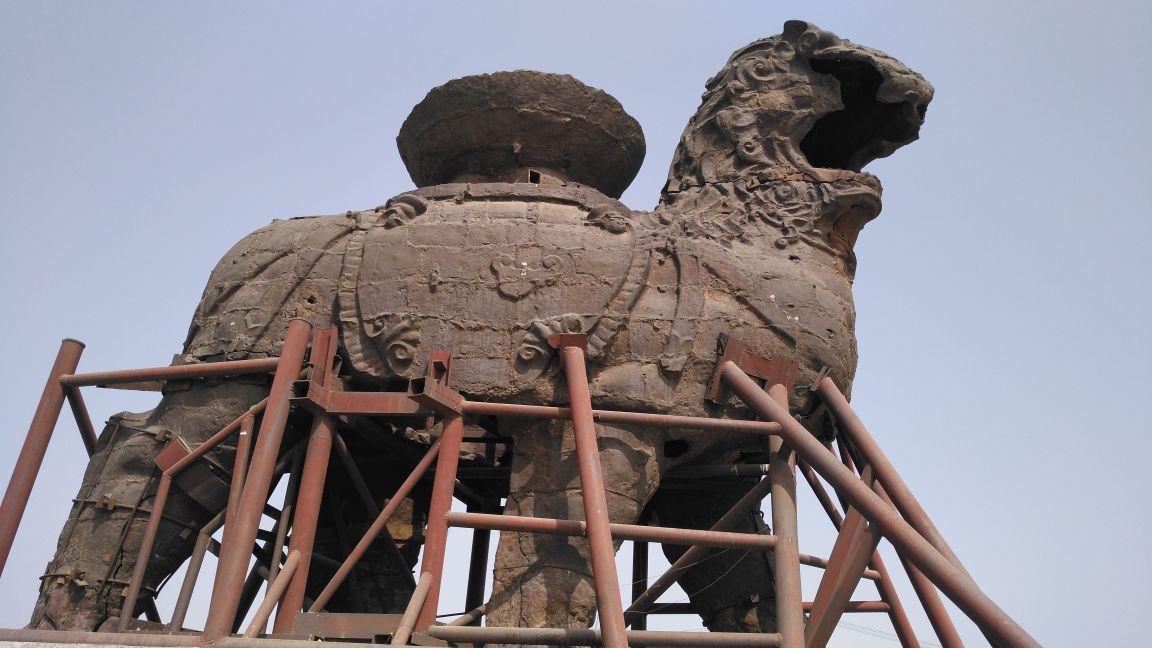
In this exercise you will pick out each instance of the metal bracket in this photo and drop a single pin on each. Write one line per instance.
(560, 340)
(773, 371)
(432, 391)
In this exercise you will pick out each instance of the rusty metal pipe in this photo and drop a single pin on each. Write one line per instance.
(305, 521)
(377, 527)
(592, 637)
(851, 426)
(127, 612)
(436, 539)
(925, 591)
(603, 553)
(628, 418)
(733, 471)
(470, 617)
(639, 584)
(821, 494)
(934, 608)
(27, 465)
(865, 607)
(636, 532)
(834, 586)
(234, 558)
(83, 420)
(782, 475)
(180, 372)
(215, 439)
(835, 602)
(412, 612)
(896, 612)
(285, 518)
(195, 562)
(239, 470)
(275, 591)
(353, 471)
(153, 640)
(478, 560)
(997, 626)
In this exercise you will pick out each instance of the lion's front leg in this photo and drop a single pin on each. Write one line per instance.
(545, 580)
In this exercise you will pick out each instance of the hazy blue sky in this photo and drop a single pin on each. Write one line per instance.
(1002, 295)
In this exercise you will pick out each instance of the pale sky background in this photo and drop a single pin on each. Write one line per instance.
(1002, 295)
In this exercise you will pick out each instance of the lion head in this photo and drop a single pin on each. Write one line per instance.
(803, 102)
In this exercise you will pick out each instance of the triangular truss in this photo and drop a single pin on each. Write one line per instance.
(879, 506)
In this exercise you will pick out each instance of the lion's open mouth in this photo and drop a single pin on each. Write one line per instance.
(866, 128)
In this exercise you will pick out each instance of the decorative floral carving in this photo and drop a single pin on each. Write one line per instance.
(519, 278)
(402, 209)
(397, 339)
(534, 353)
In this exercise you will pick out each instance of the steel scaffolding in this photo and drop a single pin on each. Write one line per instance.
(879, 505)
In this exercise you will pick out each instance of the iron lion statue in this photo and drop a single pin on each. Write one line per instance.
(513, 233)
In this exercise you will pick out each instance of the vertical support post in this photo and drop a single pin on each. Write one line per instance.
(239, 471)
(478, 565)
(304, 522)
(782, 475)
(203, 539)
(234, 558)
(639, 580)
(128, 611)
(287, 518)
(436, 540)
(608, 603)
(35, 445)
